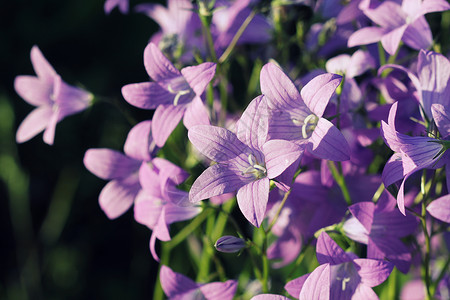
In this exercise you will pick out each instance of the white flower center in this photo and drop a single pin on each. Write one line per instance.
(257, 169)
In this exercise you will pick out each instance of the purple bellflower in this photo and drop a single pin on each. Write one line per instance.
(397, 22)
(414, 153)
(173, 94)
(297, 117)
(380, 227)
(54, 99)
(123, 6)
(122, 169)
(440, 208)
(340, 275)
(176, 286)
(246, 161)
(160, 203)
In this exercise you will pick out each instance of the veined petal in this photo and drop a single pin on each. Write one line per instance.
(363, 211)
(146, 95)
(174, 213)
(440, 208)
(70, 99)
(253, 126)
(338, 64)
(216, 143)
(278, 88)
(366, 35)
(418, 34)
(165, 119)
(161, 230)
(317, 285)
(429, 6)
(279, 155)
(294, 286)
(109, 164)
(360, 62)
(196, 114)
(216, 180)
(219, 290)
(317, 92)
(328, 251)
(252, 200)
(147, 209)
(392, 249)
(49, 132)
(373, 272)
(118, 196)
(158, 67)
(41, 66)
(33, 90)
(149, 180)
(327, 142)
(388, 15)
(441, 116)
(356, 231)
(175, 284)
(139, 144)
(391, 40)
(158, 13)
(199, 76)
(415, 81)
(34, 123)
(364, 292)
(168, 170)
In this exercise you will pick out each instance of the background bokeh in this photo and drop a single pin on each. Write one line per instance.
(56, 243)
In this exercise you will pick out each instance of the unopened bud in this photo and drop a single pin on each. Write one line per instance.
(229, 244)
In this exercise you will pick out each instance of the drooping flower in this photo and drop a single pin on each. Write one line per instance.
(340, 275)
(177, 286)
(54, 99)
(159, 203)
(246, 161)
(121, 169)
(398, 22)
(298, 117)
(380, 227)
(123, 6)
(173, 94)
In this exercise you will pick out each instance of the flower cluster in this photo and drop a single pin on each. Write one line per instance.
(316, 130)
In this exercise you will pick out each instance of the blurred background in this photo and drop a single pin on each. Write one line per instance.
(56, 241)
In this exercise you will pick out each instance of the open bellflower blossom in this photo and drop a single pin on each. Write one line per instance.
(398, 22)
(159, 203)
(340, 275)
(54, 99)
(414, 153)
(176, 286)
(297, 117)
(173, 94)
(380, 227)
(121, 169)
(246, 161)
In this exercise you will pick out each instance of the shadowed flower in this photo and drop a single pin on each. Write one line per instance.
(173, 94)
(54, 99)
(179, 287)
(246, 161)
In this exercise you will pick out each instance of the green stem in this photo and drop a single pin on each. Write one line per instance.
(158, 293)
(236, 37)
(426, 260)
(274, 220)
(209, 40)
(339, 178)
(265, 263)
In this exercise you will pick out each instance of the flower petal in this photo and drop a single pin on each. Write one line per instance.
(118, 196)
(373, 272)
(294, 286)
(418, 34)
(199, 76)
(269, 297)
(391, 40)
(165, 119)
(364, 212)
(146, 95)
(328, 251)
(392, 249)
(33, 90)
(41, 66)
(279, 155)
(388, 15)
(365, 36)
(317, 92)
(34, 123)
(252, 200)
(158, 67)
(317, 285)
(139, 144)
(440, 208)
(196, 114)
(441, 116)
(147, 209)
(327, 142)
(253, 126)
(109, 164)
(219, 290)
(175, 284)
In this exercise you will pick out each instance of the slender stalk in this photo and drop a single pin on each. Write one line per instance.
(339, 178)
(265, 263)
(426, 259)
(274, 220)
(236, 37)
(209, 40)
(158, 293)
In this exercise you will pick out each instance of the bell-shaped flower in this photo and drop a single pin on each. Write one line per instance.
(177, 286)
(246, 161)
(160, 203)
(173, 94)
(54, 99)
(340, 275)
(121, 169)
(398, 22)
(297, 117)
(380, 227)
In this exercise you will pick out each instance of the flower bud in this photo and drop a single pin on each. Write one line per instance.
(229, 244)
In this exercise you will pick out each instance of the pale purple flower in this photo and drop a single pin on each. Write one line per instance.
(380, 227)
(340, 275)
(413, 153)
(54, 99)
(229, 244)
(398, 22)
(123, 6)
(440, 208)
(121, 169)
(246, 161)
(176, 286)
(298, 117)
(160, 203)
(173, 94)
